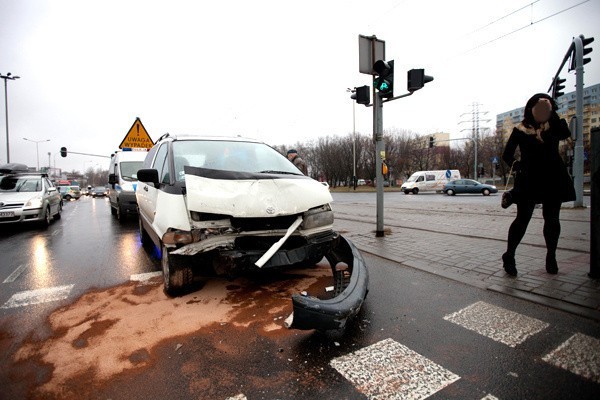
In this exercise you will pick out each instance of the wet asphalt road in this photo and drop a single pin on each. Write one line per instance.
(244, 350)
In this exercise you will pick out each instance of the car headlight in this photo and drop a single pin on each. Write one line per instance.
(316, 217)
(35, 202)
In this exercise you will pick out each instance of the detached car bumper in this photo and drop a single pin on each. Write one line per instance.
(351, 281)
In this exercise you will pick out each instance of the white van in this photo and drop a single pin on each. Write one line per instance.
(429, 181)
(122, 179)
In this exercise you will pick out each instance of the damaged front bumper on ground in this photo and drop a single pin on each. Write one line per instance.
(351, 281)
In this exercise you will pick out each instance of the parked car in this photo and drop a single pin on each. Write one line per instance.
(122, 179)
(27, 196)
(227, 206)
(99, 191)
(70, 192)
(468, 186)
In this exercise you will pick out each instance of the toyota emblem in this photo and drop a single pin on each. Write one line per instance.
(270, 210)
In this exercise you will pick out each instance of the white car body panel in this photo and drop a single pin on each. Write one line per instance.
(256, 197)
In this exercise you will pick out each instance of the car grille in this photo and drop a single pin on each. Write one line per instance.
(261, 224)
(12, 206)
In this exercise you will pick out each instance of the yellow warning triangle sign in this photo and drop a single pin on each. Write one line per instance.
(137, 137)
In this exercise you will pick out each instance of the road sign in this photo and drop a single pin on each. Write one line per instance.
(370, 49)
(137, 137)
(495, 160)
(448, 174)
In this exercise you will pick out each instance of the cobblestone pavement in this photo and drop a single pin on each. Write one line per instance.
(465, 243)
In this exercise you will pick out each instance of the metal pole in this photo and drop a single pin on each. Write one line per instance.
(6, 114)
(379, 151)
(578, 151)
(37, 153)
(595, 204)
(354, 145)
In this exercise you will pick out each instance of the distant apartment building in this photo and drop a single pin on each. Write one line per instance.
(506, 121)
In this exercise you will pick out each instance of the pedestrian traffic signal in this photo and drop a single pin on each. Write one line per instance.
(417, 79)
(384, 168)
(384, 83)
(361, 95)
(63, 151)
(431, 141)
(557, 87)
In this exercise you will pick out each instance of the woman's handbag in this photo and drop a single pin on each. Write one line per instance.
(508, 195)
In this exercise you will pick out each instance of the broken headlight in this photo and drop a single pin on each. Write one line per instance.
(317, 217)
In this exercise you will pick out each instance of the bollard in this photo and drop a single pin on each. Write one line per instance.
(595, 204)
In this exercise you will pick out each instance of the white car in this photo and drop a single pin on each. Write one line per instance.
(229, 205)
(27, 196)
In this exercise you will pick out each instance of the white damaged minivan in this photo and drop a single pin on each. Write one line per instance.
(224, 206)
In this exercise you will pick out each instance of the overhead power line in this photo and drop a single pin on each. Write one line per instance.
(505, 16)
(526, 26)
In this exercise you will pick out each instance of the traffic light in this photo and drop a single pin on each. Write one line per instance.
(384, 82)
(417, 79)
(585, 42)
(384, 168)
(431, 141)
(63, 151)
(361, 95)
(557, 86)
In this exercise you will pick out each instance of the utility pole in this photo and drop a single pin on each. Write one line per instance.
(475, 120)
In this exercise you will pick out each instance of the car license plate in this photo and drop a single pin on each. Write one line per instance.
(6, 214)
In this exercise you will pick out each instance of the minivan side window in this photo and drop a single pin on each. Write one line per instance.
(431, 177)
(420, 179)
(161, 164)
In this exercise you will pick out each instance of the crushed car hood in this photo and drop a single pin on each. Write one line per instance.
(239, 195)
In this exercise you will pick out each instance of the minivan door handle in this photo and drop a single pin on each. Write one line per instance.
(146, 188)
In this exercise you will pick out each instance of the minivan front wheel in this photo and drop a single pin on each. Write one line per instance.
(176, 279)
(415, 191)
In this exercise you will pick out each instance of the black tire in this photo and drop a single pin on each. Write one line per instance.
(121, 215)
(450, 192)
(57, 215)
(113, 210)
(486, 192)
(45, 223)
(415, 191)
(406, 191)
(68, 197)
(176, 279)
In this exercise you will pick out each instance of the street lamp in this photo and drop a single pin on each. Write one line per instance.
(37, 142)
(353, 139)
(6, 78)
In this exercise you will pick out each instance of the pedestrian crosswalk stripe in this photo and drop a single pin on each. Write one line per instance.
(496, 323)
(580, 354)
(30, 297)
(144, 276)
(390, 370)
(12, 277)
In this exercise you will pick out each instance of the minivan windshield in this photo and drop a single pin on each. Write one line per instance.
(231, 156)
(413, 178)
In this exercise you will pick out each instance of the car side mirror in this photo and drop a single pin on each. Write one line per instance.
(148, 175)
(51, 189)
(112, 179)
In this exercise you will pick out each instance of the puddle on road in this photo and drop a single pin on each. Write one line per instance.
(109, 332)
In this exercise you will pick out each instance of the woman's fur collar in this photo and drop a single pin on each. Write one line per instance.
(532, 131)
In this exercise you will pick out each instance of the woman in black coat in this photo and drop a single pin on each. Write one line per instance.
(541, 177)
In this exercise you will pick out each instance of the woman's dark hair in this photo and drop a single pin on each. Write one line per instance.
(528, 119)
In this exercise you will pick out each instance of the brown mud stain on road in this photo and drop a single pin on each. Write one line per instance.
(106, 333)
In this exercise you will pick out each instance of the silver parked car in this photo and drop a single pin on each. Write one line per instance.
(27, 196)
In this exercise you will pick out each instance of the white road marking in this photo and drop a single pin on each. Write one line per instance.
(490, 397)
(496, 323)
(12, 277)
(38, 296)
(238, 397)
(580, 354)
(144, 277)
(390, 370)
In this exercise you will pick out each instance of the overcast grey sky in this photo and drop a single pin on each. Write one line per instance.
(272, 70)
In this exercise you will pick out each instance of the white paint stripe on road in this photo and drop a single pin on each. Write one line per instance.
(12, 277)
(390, 370)
(38, 296)
(144, 277)
(496, 323)
(580, 354)
(489, 397)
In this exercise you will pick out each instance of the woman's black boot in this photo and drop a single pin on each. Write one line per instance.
(510, 266)
(551, 265)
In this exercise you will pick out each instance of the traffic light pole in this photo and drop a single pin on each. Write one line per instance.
(578, 151)
(379, 152)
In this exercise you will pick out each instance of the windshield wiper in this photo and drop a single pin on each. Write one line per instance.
(269, 171)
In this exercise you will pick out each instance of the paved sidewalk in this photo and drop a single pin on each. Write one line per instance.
(467, 246)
